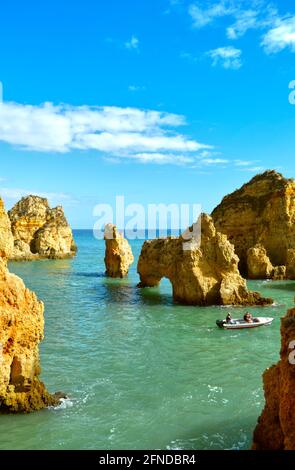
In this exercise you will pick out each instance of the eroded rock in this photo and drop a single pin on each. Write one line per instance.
(204, 273)
(118, 253)
(39, 231)
(21, 330)
(258, 263)
(276, 425)
(261, 212)
(6, 238)
(279, 273)
(290, 264)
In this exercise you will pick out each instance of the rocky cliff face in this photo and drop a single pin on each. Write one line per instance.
(276, 426)
(258, 263)
(290, 264)
(39, 231)
(6, 238)
(204, 273)
(118, 254)
(21, 330)
(261, 212)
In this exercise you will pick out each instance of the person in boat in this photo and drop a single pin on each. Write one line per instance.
(228, 318)
(248, 317)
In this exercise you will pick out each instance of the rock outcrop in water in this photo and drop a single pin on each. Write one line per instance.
(261, 212)
(39, 231)
(118, 253)
(276, 425)
(258, 263)
(203, 271)
(21, 330)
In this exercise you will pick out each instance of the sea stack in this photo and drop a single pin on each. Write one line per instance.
(260, 214)
(118, 253)
(202, 271)
(21, 330)
(39, 231)
(276, 425)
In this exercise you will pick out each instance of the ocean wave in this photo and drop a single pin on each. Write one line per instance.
(63, 404)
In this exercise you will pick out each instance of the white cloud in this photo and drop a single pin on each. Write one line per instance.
(259, 15)
(109, 142)
(15, 194)
(244, 162)
(214, 161)
(109, 130)
(42, 127)
(245, 20)
(163, 158)
(229, 57)
(253, 169)
(207, 153)
(279, 37)
(195, 160)
(136, 88)
(249, 14)
(204, 16)
(133, 43)
(198, 160)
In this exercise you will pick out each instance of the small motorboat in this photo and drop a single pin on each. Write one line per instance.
(239, 324)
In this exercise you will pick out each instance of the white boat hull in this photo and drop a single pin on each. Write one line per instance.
(240, 324)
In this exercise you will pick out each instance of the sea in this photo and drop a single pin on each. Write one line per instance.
(139, 371)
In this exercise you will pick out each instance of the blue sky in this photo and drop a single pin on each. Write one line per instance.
(162, 101)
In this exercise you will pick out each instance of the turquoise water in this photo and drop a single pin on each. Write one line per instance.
(140, 371)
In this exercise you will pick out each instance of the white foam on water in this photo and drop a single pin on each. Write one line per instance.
(63, 404)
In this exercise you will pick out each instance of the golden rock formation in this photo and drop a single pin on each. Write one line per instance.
(21, 330)
(118, 253)
(276, 425)
(6, 238)
(290, 264)
(261, 212)
(203, 271)
(258, 263)
(39, 231)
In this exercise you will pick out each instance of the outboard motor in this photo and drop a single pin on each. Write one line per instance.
(220, 323)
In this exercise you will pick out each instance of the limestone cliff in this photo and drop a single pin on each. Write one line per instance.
(276, 425)
(261, 212)
(118, 253)
(6, 238)
(290, 264)
(39, 231)
(203, 271)
(258, 263)
(21, 330)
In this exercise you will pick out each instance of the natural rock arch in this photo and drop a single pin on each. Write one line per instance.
(204, 273)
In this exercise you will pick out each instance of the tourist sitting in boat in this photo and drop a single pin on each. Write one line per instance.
(228, 318)
(248, 317)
